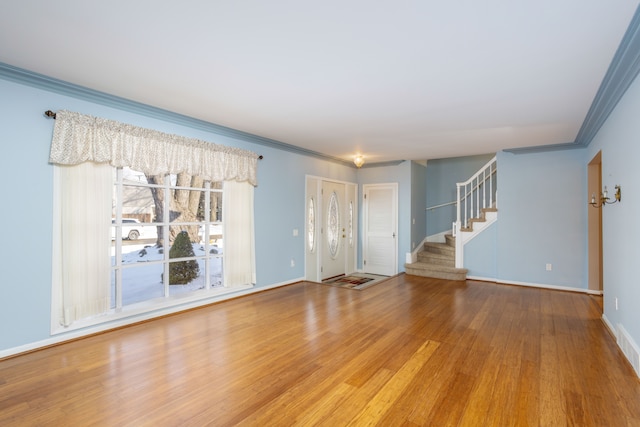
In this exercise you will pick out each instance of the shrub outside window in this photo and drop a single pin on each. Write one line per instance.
(166, 236)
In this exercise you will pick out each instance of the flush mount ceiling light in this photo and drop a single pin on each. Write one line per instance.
(358, 161)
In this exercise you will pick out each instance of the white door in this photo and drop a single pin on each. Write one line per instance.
(380, 253)
(333, 232)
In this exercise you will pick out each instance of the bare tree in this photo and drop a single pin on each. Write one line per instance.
(184, 205)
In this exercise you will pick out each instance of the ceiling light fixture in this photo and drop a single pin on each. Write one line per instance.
(358, 161)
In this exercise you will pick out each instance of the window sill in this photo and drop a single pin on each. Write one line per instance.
(149, 309)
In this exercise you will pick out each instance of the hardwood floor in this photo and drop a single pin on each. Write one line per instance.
(410, 351)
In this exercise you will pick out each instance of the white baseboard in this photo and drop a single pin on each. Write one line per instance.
(79, 333)
(535, 285)
(412, 256)
(629, 348)
(438, 238)
(625, 343)
(609, 325)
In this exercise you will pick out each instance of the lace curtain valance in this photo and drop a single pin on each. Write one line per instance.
(79, 138)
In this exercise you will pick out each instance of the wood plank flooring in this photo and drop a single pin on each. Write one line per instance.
(410, 351)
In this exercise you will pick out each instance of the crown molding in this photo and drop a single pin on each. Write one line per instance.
(623, 69)
(544, 148)
(382, 164)
(40, 81)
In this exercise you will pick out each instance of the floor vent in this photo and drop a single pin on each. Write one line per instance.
(629, 348)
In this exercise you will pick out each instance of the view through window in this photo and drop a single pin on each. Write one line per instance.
(166, 236)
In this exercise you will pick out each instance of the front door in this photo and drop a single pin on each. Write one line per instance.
(333, 233)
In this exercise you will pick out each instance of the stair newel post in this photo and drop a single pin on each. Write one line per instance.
(456, 231)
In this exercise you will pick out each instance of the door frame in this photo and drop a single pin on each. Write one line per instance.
(366, 188)
(313, 254)
(594, 225)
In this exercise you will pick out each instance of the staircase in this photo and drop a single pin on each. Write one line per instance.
(476, 207)
(484, 212)
(438, 260)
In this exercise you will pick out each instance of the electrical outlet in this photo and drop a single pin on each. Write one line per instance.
(293, 263)
(616, 300)
(295, 232)
(549, 267)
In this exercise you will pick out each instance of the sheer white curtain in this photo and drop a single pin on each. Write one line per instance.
(239, 242)
(82, 221)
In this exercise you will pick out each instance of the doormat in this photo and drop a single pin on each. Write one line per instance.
(357, 282)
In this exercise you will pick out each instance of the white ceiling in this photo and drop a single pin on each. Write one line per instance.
(394, 80)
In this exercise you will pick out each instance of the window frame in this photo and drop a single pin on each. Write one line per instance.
(154, 306)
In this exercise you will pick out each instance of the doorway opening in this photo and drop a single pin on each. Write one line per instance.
(594, 225)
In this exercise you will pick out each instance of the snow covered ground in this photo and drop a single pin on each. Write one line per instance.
(142, 272)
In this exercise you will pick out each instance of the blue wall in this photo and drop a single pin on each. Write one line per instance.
(25, 290)
(418, 204)
(541, 220)
(280, 208)
(481, 254)
(542, 209)
(25, 286)
(542, 217)
(618, 140)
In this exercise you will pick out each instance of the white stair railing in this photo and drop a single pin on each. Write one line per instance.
(473, 195)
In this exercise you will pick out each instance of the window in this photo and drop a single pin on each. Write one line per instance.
(166, 236)
(351, 223)
(311, 225)
(133, 232)
(333, 225)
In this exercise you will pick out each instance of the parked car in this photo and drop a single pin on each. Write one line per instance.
(132, 229)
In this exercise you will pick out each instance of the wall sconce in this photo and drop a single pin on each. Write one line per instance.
(604, 197)
(358, 161)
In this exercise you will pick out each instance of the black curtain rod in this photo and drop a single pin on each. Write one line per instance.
(52, 115)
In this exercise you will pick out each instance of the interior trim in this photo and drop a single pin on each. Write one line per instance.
(41, 81)
(623, 69)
